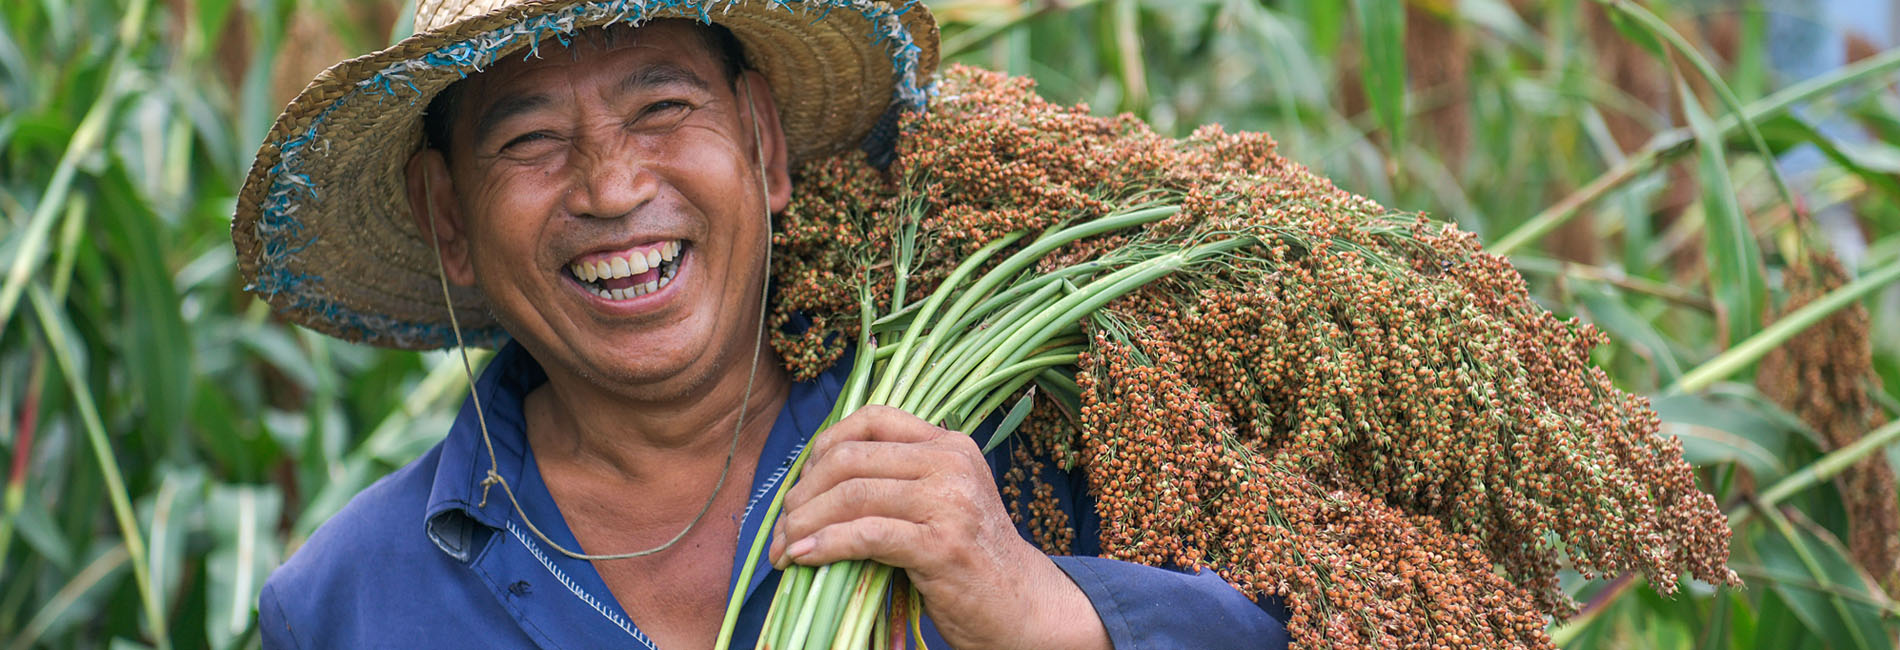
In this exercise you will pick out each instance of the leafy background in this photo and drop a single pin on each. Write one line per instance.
(167, 441)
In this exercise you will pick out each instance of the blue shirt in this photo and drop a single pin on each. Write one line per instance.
(418, 561)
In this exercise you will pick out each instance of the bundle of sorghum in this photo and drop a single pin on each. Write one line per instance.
(1359, 412)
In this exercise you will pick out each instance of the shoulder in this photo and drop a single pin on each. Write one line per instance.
(365, 569)
(384, 519)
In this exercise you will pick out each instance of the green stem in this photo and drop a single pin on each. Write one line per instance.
(1013, 295)
(895, 381)
(855, 387)
(1781, 525)
(1815, 473)
(774, 615)
(1819, 471)
(955, 365)
(1755, 347)
(1011, 268)
(1093, 296)
(1668, 144)
(991, 403)
(832, 602)
(796, 583)
(802, 628)
(970, 37)
(1615, 278)
(867, 602)
(68, 596)
(55, 332)
(1018, 373)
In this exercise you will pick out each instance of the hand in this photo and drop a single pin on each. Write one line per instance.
(884, 485)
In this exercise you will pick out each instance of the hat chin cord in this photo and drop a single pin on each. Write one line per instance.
(481, 418)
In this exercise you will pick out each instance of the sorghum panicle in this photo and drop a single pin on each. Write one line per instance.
(1365, 415)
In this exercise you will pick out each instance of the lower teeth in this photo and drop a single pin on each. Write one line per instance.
(667, 271)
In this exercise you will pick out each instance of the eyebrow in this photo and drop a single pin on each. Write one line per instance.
(505, 109)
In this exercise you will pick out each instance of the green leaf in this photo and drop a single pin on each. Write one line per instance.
(1382, 48)
(1609, 312)
(1637, 33)
(1874, 162)
(1325, 21)
(40, 532)
(1735, 266)
(170, 513)
(1715, 431)
(277, 346)
(1806, 571)
(242, 519)
(1014, 419)
(1780, 628)
(152, 339)
(79, 599)
(1501, 19)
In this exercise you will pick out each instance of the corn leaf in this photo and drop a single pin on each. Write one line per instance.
(1735, 267)
(1382, 47)
(1716, 430)
(1806, 571)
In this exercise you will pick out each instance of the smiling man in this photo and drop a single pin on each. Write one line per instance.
(594, 198)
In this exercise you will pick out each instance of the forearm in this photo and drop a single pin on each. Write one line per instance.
(1064, 616)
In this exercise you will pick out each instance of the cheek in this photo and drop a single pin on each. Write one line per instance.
(506, 218)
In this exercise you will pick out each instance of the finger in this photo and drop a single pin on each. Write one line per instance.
(809, 507)
(894, 542)
(858, 498)
(878, 423)
(865, 459)
(851, 499)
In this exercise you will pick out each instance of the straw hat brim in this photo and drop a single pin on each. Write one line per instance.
(323, 229)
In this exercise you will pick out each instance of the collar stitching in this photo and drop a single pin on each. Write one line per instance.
(606, 612)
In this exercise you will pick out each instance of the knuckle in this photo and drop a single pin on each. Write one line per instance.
(851, 454)
(878, 412)
(794, 524)
(873, 535)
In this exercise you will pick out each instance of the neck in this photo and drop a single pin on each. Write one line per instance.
(656, 435)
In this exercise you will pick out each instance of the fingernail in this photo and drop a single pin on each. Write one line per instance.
(800, 547)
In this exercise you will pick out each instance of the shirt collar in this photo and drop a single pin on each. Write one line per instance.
(458, 499)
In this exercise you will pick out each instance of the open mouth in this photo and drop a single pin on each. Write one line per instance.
(632, 273)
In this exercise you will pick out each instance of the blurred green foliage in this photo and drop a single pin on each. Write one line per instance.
(167, 442)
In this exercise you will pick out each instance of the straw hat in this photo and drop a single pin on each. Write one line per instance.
(323, 228)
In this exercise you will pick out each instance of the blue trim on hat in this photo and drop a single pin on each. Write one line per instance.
(282, 233)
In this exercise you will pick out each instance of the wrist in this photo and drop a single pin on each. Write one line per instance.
(1061, 614)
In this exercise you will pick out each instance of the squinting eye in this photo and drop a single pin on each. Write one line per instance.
(526, 138)
(663, 107)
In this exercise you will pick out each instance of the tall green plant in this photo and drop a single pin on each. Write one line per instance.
(127, 348)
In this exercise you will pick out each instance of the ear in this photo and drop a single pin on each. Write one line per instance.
(778, 179)
(438, 215)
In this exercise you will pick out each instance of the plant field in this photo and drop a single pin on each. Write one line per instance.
(1715, 185)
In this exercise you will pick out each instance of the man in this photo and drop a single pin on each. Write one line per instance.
(604, 202)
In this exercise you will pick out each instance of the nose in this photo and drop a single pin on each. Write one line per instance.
(612, 178)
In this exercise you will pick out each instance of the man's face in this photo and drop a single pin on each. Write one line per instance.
(609, 204)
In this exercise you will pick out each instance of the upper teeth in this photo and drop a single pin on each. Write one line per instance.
(626, 264)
